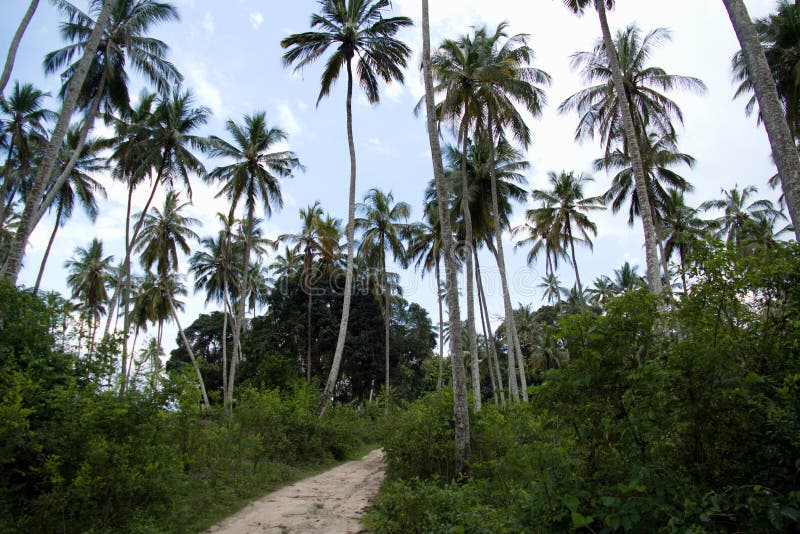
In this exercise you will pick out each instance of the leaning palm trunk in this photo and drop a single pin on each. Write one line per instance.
(387, 304)
(308, 314)
(226, 309)
(473, 338)
(460, 403)
(190, 351)
(47, 250)
(491, 353)
(780, 138)
(13, 261)
(14, 46)
(501, 266)
(578, 283)
(651, 250)
(239, 316)
(333, 376)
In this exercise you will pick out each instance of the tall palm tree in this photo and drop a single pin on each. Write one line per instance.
(23, 121)
(738, 212)
(566, 209)
(80, 186)
(252, 178)
(629, 131)
(383, 224)
(89, 278)
(13, 261)
(164, 232)
(602, 291)
(551, 289)
(360, 32)
(626, 278)
(682, 227)
(507, 78)
(14, 45)
(535, 234)
(315, 238)
(771, 112)
(125, 42)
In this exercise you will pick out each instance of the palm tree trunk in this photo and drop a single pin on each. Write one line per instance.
(333, 376)
(308, 314)
(460, 403)
(468, 243)
(13, 261)
(575, 266)
(121, 278)
(87, 126)
(47, 250)
(387, 303)
(441, 324)
(492, 347)
(479, 285)
(683, 270)
(188, 348)
(14, 46)
(238, 318)
(780, 139)
(651, 251)
(225, 311)
(501, 266)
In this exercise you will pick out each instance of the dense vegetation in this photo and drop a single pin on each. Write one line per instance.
(666, 401)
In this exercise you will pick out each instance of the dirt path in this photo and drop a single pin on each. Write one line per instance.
(331, 502)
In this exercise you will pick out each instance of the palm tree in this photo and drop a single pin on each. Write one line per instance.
(358, 30)
(315, 238)
(383, 225)
(125, 42)
(629, 131)
(681, 228)
(14, 46)
(602, 291)
(287, 264)
(163, 233)
(626, 278)
(16, 252)
(507, 79)
(738, 214)
(252, 178)
(23, 121)
(460, 407)
(89, 278)
(771, 112)
(551, 289)
(565, 209)
(163, 150)
(80, 185)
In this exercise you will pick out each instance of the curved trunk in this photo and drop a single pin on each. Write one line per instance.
(188, 348)
(14, 46)
(575, 266)
(492, 346)
(308, 314)
(780, 138)
(13, 262)
(239, 316)
(225, 312)
(651, 250)
(47, 250)
(496, 382)
(460, 403)
(441, 323)
(468, 243)
(330, 385)
(501, 266)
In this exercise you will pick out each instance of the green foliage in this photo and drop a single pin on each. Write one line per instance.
(680, 417)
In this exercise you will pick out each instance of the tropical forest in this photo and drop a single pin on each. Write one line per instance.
(385, 266)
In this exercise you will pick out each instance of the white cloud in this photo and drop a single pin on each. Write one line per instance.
(287, 119)
(302, 106)
(256, 19)
(207, 92)
(208, 22)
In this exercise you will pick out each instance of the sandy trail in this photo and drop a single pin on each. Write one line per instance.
(331, 502)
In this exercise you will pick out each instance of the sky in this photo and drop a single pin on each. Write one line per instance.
(230, 56)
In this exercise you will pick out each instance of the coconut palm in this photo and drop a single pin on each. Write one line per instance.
(252, 178)
(358, 31)
(125, 42)
(23, 118)
(626, 278)
(771, 111)
(565, 208)
(738, 213)
(16, 252)
(460, 409)
(89, 278)
(80, 186)
(316, 238)
(14, 45)
(383, 224)
(551, 289)
(602, 291)
(681, 227)
(164, 232)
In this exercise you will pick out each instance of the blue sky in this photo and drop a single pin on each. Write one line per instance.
(230, 56)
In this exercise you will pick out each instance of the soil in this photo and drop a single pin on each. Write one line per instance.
(331, 502)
